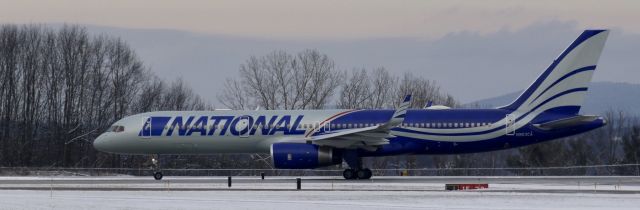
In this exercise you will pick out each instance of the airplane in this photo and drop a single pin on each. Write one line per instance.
(305, 139)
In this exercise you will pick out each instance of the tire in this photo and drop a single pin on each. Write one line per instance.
(368, 172)
(364, 173)
(349, 174)
(157, 175)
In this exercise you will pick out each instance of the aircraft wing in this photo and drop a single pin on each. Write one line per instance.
(368, 138)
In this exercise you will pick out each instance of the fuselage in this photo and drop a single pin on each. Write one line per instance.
(424, 131)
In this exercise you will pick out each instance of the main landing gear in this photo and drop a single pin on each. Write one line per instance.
(363, 173)
(355, 163)
(157, 173)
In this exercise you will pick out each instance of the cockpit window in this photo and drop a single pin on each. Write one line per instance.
(116, 128)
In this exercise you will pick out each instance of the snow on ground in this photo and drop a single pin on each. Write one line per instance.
(318, 193)
(309, 200)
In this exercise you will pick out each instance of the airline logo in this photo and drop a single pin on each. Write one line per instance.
(221, 125)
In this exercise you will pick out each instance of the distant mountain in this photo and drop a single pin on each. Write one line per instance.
(601, 97)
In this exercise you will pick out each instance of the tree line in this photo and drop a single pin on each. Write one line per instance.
(311, 80)
(61, 88)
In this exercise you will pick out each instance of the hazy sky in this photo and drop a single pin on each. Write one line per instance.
(325, 19)
(473, 49)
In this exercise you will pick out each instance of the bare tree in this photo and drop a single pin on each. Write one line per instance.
(381, 90)
(280, 80)
(382, 85)
(356, 92)
(234, 95)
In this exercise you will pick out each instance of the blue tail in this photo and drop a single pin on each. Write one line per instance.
(563, 85)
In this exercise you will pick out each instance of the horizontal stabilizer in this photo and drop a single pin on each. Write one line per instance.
(568, 122)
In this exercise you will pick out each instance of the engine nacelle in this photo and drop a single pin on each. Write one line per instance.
(303, 156)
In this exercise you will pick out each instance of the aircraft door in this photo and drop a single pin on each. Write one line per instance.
(510, 127)
(146, 128)
(327, 126)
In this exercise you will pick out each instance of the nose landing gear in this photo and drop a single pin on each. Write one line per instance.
(157, 173)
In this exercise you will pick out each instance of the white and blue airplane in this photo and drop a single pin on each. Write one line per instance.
(304, 139)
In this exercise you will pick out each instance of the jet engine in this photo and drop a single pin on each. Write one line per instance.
(303, 156)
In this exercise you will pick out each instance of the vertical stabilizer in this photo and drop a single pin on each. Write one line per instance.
(563, 85)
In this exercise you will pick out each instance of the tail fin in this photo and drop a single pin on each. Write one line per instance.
(565, 82)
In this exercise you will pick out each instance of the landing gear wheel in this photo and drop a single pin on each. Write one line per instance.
(349, 174)
(157, 175)
(364, 173)
(155, 167)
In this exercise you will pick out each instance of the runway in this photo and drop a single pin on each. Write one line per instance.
(126, 192)
(603, 184)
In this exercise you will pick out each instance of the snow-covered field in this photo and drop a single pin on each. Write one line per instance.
(307, 200)
(318, 193)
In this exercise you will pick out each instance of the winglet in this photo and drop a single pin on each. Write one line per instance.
(429, 104)
(399, 114)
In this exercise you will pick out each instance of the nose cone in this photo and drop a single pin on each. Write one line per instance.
(101, 143)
